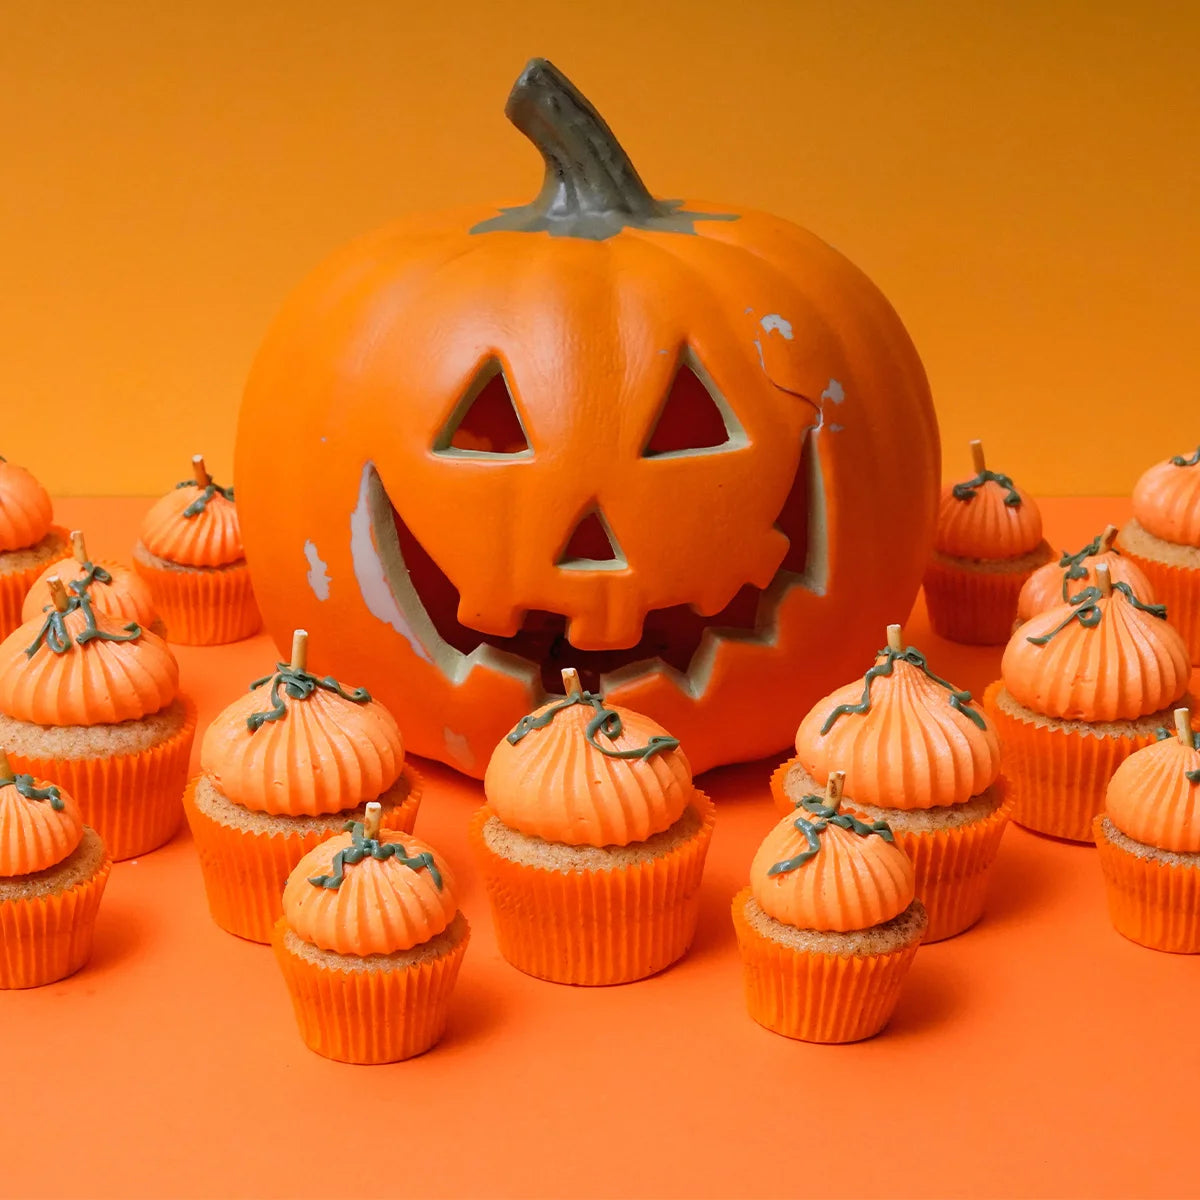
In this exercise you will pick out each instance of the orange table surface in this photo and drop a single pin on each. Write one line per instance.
(1040, 1054)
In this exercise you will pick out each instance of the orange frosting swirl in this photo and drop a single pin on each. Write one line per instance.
(911, 749)
(327, 754)
(381, 907)
(1166, 502)
(554, 784)
(98, 683)
(1128, 665)
(851, 883)
(1044, 588)
(1151, 799)
(34, 835)
(212, 538)
(25, 509)
(986, 527)
(127, 598)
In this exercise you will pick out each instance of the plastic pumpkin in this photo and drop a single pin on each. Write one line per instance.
(686, 449)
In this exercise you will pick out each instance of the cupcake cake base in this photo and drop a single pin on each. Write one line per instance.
(20, 568)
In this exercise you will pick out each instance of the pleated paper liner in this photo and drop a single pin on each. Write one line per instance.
(779, 796)
(973, 607)
(133, 801)
(1179, 589)
(203, 607)
(1152, 902)
(15, 585)
(245, 872)
(1057, 776)
(44, 938)
(371, 1016)
(817, 997)
(596, 927)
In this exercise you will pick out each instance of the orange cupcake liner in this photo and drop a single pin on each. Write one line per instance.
(15, 585)
(817, 997)
(44, 938)
(244, 873)
(133, 801)
(203, 608)
(1179, 589)
(1154, 903)
(369, 1017)
(596, 927)
(1056, 777)
(779, 796)
(976, 608)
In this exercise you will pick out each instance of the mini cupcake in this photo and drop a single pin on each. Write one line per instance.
(829, 925)
(1061, 582)
(190, 553)
(282, 769)
(116, 591)
(920, 756)
(28, 539)
(989, 541)
(1083, 686)
(370, 943)
(1164, 540)
(1149, 842)
(592, 843)
(53, 869)
(95, 706)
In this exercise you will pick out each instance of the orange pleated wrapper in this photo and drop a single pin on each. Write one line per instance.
(203, 607)
(244, 873)
(15, 585)
(1179, 589)
(596, 927)
(817, 997)
(976, 608)
(1056, 778)
(1154, 903)
(133, 801)
(44, 938)
(369, 1017)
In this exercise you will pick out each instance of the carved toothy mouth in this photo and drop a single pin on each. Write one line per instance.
(403, 586)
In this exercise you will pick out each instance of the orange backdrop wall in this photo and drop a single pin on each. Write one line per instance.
(1020, 178)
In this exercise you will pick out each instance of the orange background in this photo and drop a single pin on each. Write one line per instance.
(1018, 177)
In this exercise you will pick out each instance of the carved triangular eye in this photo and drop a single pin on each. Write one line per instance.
(591, 546)
(694, 418)
(486, 421)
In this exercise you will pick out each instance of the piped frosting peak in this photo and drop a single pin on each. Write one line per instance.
(25, 509)
(1063, 581)
(195, 524)
(40, 825)
(1166, 500)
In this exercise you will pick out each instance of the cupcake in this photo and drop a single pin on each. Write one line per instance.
(115, 591)
(28, 539)
(53, 869)
(95, 706)
(1149, 842)
(988, 543)
(1061, 582)
(1082, 687)
(1164, 540)
(829, 925)
(370, 943)
(190, 553)
(591, 843)
(919, 755)
(282, 769)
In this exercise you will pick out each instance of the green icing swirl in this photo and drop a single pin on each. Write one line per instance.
(1088, 613)
(91, 574)
(966, 490)
(910, 654)
(298, 685)
(1190, 461)
(198, 505)
(362, 847)
(53, 632)
(603, 721)
(25, 788)
(1076, 568)
(826, 815)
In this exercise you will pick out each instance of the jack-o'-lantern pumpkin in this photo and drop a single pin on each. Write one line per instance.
(688, 450)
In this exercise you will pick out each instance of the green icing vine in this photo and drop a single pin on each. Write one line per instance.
(54, 630)
(966, 490)
(362, 847)
(958, 699)
(91, 574)
(1088, 613)
(603, 720)
(1075, 568)
(299, 685)
(826, 815)
(24, 786)
(198, 505)
(1190, 461)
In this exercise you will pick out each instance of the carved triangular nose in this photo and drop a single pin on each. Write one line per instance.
(591, 546)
